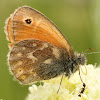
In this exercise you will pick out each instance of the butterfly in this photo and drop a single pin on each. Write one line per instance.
(38, 49)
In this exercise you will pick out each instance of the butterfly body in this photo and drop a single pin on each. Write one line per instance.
(42, 59)
(38, 50)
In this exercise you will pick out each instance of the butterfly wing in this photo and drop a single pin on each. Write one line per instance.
(27, 23)
(34, 60)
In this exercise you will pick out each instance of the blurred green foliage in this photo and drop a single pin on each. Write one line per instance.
(79, 21)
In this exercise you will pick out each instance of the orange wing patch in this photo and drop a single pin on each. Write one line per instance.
(27, 23)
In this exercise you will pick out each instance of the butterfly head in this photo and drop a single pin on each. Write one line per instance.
(80, 58)
(74, 63)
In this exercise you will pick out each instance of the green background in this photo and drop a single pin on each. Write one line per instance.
(79, 21)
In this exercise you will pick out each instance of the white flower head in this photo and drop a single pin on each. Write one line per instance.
(70, 88)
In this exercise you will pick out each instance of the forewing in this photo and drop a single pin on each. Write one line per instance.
(40, 28)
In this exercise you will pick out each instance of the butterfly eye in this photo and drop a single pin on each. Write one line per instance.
(28, 21)
(79, 59)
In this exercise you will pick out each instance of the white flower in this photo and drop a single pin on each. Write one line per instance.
(70, 88)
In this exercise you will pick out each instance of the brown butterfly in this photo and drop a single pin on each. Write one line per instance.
(38, 50)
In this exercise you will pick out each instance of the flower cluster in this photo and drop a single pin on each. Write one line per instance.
(70, 88)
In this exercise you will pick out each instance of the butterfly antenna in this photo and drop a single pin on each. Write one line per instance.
(87, 50)
(92, 52)
(84, 85)
(60, 83)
